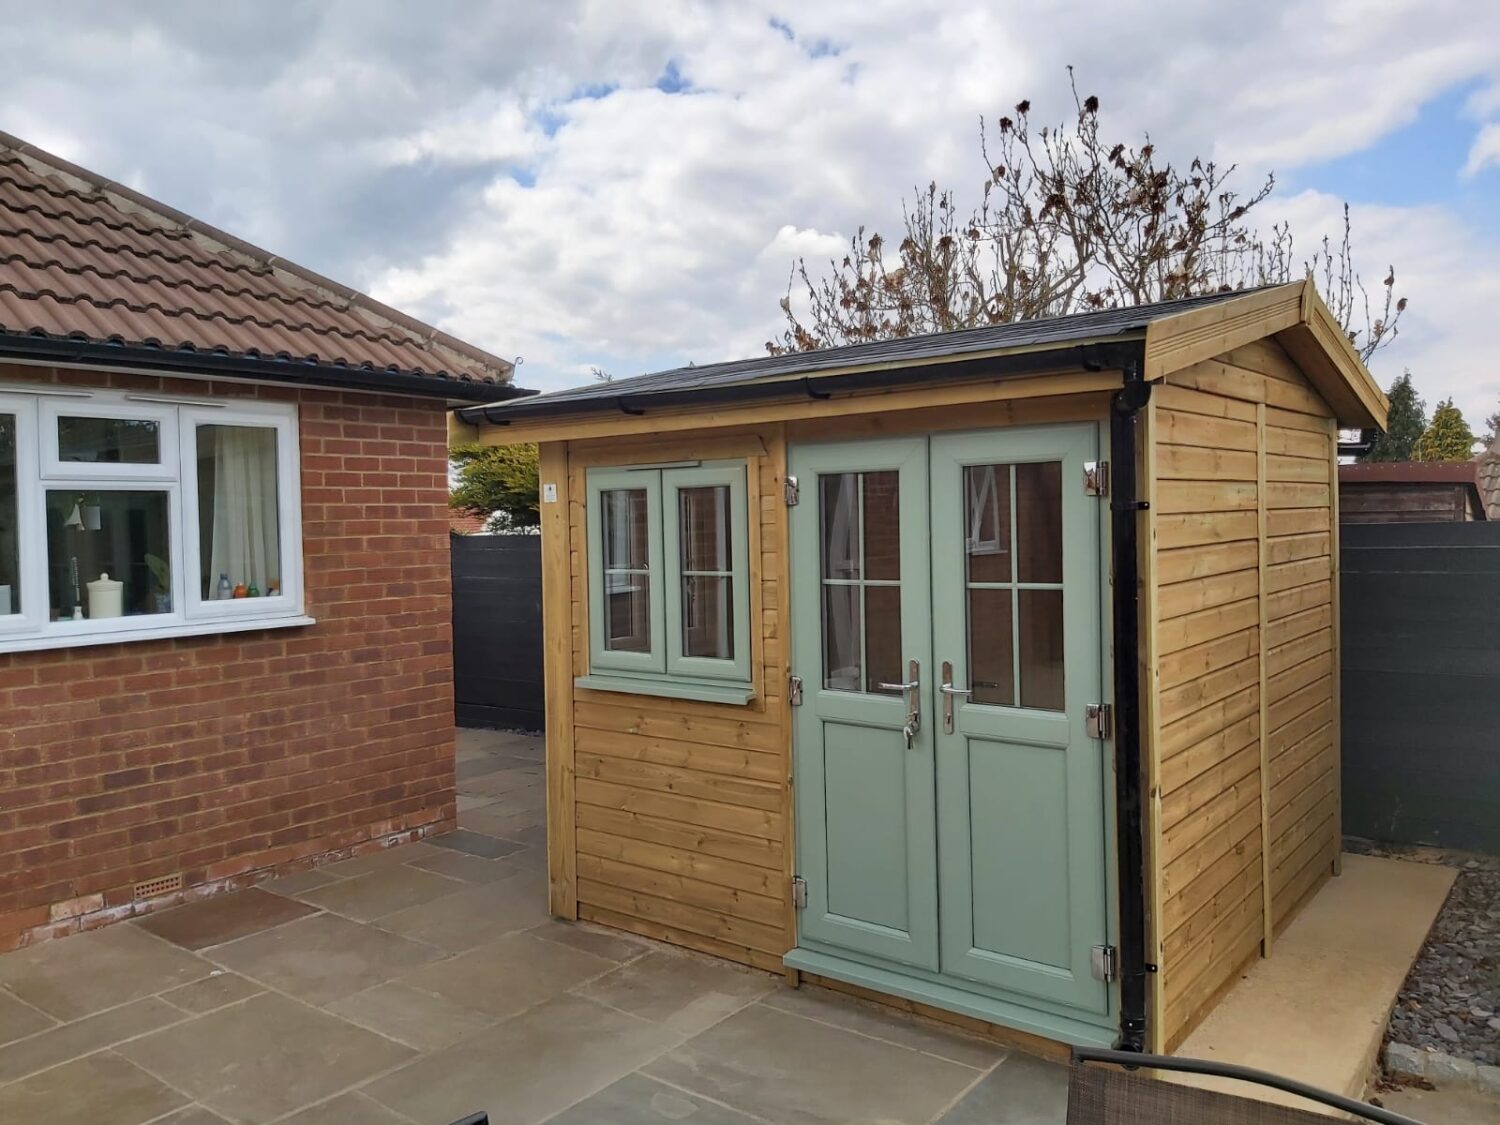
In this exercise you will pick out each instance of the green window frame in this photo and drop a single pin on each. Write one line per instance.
(678, 598)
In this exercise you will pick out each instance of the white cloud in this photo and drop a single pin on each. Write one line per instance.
(1485, 152)
(461, 161)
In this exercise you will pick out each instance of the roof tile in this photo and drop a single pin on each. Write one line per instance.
(82, 257)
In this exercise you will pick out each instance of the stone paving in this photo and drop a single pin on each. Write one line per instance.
(427, 982)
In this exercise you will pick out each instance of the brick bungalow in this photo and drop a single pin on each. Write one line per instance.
(224, 589)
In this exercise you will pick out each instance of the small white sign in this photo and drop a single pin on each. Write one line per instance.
(549, 494)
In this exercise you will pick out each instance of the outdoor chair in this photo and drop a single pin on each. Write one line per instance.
(1108, 1088)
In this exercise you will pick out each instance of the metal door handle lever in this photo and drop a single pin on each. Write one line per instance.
(911, 694)
(949, 691)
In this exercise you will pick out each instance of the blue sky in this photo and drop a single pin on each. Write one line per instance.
(626, 185)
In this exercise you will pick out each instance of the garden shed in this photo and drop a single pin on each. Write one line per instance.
(991, 672)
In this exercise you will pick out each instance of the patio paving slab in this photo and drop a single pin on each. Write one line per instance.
(18, 1020)
(689, 994)
(495, 819)
(216, 990)
(352, 1108)
(99, 1088)
(374, 861)
(213, 921)
(791, 1070)
(638, 1100)
(191, 1115)
(423, 1020)
(525, 1069)
(866, 1018)
(301, 881)
(83, 1037)
(469, 842)
(474, 915)
(368, 897)
(1022, 1090)
(612, 945)
(466, 868)
(323, 957)
(258, 1060)
(90, 972)
(509, 975)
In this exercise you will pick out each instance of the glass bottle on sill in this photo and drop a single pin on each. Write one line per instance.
(225, 590)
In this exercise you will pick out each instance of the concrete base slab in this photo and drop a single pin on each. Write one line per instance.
(1316, 1009)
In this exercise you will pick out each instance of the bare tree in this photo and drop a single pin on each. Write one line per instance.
(1066, 222)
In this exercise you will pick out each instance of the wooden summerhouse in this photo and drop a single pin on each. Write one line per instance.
(992, 672)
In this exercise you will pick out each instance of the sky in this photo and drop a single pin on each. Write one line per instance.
(626, 184)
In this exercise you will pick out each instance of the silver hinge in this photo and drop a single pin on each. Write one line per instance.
(1100, 718)
(799, 892)
(1096, 478)
(791, 491)
(794, 690)
(1104, 962)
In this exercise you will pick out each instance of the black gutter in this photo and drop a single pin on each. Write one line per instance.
(1359, 448)
(1124, 509)
(990, 368)
(86, 353)
(1133, 1061)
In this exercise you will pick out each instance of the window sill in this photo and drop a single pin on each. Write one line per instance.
(736, 694)
(44, 643)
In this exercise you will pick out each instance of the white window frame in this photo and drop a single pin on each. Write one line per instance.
(288, 508)
(98, 405)
(39, 471)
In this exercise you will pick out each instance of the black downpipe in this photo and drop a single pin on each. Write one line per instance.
(1125, 508)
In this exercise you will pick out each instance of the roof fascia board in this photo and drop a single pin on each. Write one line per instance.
(46, 351)
(1185, 338)
(842, 404)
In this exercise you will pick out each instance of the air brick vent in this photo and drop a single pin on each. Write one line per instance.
(153, 887)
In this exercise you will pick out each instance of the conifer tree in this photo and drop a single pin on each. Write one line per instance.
(1407, 423)
(1447, 439)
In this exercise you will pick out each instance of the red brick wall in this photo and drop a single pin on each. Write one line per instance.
(230, 758)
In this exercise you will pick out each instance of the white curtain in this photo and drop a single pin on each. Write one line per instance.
(246, 536)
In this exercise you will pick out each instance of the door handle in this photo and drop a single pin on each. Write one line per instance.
(911, 694)
(949, 691)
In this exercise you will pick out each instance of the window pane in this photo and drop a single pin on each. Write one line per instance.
(838, 509)
(627, 618)
(1039, 521)
(841, 631)
(10, 543)
(108, 554)
(882, 525)
(108, 441)
(703, 523)
(883, 637)
(707, 617)
(626, 529)
(239, 531)
(987, 522)
(1042, 649)
(991, 668)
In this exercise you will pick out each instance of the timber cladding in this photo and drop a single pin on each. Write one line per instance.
(1242, 644)
(679, 812)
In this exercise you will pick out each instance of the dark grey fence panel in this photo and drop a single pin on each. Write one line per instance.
(1421, 683)
(497, 631)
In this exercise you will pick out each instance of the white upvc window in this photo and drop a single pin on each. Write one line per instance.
(130, 516)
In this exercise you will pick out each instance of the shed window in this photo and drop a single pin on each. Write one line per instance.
(130, 517)
(668, 581)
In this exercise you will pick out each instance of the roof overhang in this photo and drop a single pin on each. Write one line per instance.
(197, 364)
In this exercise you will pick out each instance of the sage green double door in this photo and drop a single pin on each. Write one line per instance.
(946, 606)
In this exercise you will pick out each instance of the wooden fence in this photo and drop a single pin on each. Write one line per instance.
(1421, 683)
(497, 631)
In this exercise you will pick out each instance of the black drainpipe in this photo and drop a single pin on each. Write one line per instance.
(1125, 508)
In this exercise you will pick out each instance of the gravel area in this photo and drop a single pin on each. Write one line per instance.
(1451, 999)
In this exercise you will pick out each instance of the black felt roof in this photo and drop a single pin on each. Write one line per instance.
(1019, 336)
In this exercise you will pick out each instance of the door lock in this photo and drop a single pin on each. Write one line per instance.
(911, 695)
(949, 692)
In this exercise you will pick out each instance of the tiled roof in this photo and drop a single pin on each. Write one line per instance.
(84, 258)
(463, 521)
(1489, 479)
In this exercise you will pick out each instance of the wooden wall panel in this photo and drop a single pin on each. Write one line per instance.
(681, 810)
(1244, 608)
